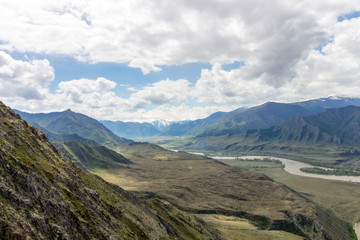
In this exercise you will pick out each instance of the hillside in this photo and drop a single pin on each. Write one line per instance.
(336, 125)
(321, 104)
(266, 115)
(44, 196)
(89, 156)
(69, 122)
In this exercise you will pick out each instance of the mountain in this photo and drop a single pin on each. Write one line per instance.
(69, 122)
(321, 104)
(263, 116)
(161, 124)
(44, 196)
(331, 138)
(259, 117)
(335, 125)
(58, 137)
(131, 129)
(191, 127)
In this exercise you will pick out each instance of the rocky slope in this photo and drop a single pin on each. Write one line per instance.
(44, 196)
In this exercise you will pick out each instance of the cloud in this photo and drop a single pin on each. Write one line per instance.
(218, 86)
(271, 37)
(162, 92)
(24, 79)
(333, 70)
(77, 89)
(174, 113)
(87, 85)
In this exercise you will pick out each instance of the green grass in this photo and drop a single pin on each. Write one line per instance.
(239, 228)
(338, 172)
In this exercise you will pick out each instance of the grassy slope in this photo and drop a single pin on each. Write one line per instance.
(89, 157)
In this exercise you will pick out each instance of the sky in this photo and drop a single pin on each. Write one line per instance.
(145, 60)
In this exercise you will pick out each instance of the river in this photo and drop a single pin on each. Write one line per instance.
(293, 167)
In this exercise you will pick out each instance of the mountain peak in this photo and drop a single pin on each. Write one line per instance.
(68, 111)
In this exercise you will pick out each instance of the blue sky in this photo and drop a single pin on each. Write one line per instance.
(142, 61)
(68, 68)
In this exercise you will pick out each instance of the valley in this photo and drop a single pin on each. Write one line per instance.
(259, 197)
(180, 120)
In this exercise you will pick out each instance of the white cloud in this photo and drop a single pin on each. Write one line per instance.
(270, 36)
(87, 85)
(174, 113)
(24, 79)
(78, 89)
(162, 92)
(335, 70)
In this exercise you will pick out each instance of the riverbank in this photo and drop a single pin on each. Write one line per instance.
(293, 167)
(357, 229)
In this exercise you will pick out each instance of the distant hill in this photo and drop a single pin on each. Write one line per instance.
(335, 125)
(321, 104)
(89, 156)
(58, 137)
(131, 129)
(69, 122)
(161, 124)
(191, 127)
(263, 116)
(259, 117)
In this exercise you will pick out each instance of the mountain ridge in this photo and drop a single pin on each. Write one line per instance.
(334, 125)
(69, 122)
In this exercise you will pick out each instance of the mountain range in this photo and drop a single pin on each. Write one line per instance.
(328, 137)
(333, 126)
(263, 116)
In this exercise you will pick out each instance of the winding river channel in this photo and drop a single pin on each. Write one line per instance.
(293, 167)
